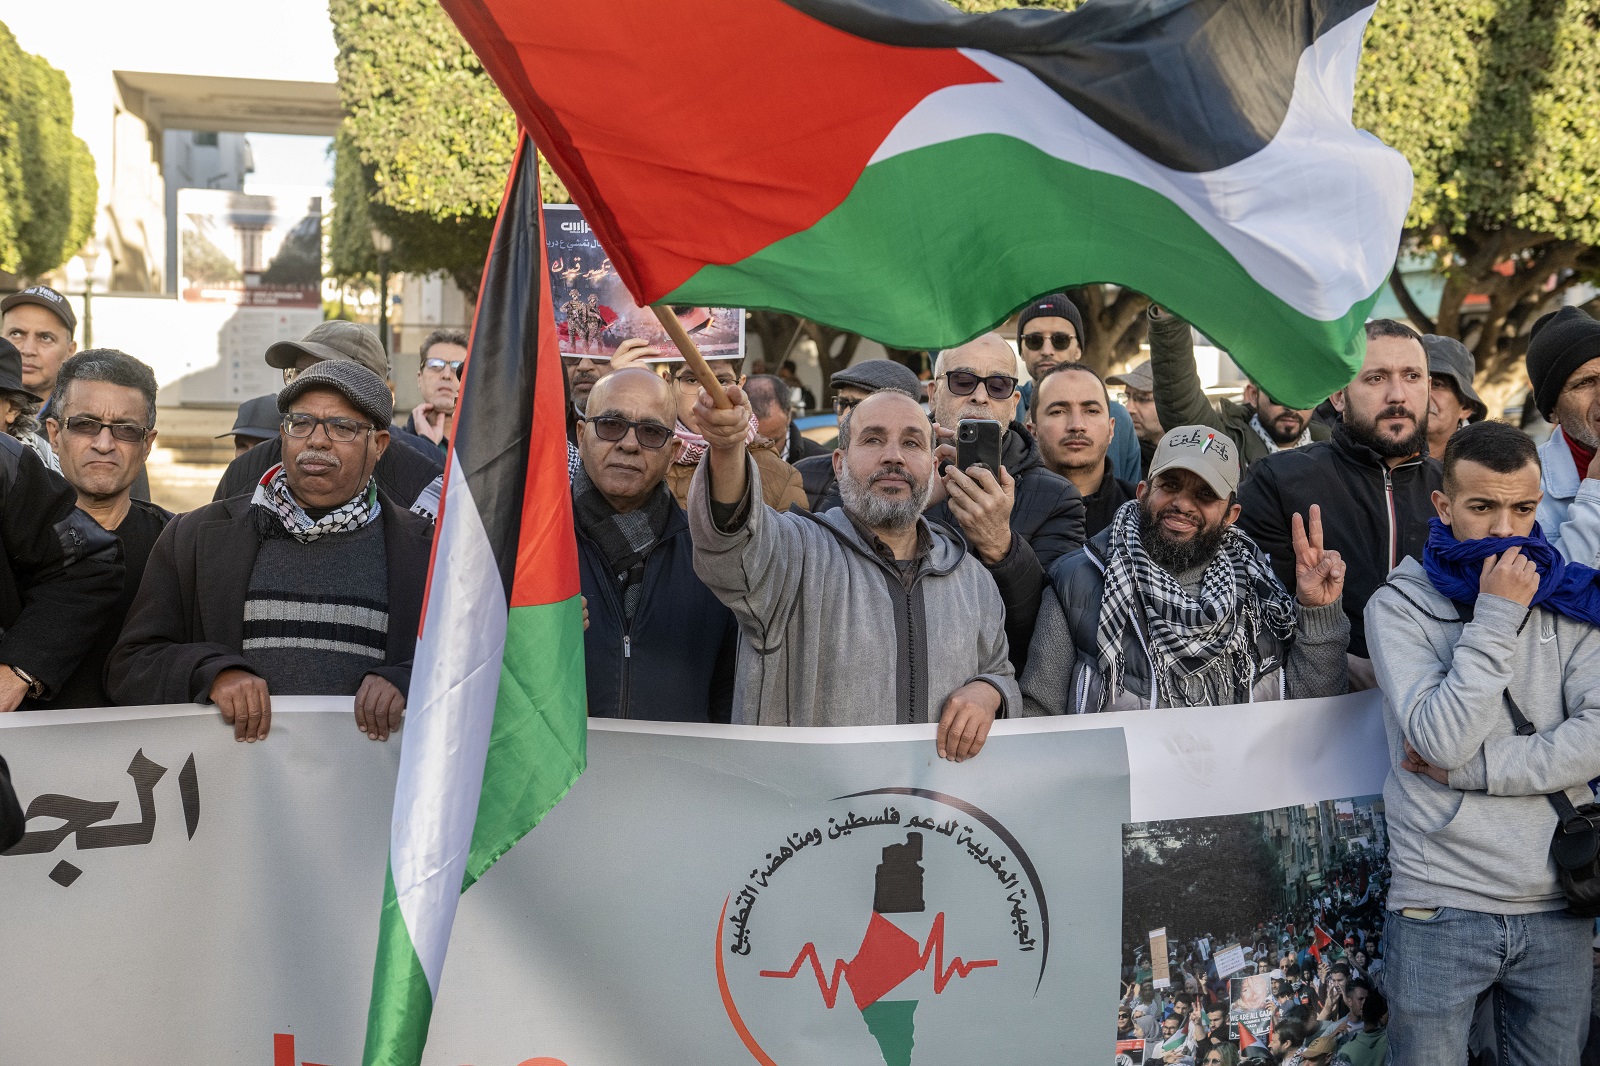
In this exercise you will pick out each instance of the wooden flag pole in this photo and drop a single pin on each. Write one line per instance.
(691, 355)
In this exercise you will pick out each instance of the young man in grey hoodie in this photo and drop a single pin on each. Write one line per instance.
(1490, 615)
(867, 614)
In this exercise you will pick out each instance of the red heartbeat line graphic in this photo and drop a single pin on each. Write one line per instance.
(887, 956)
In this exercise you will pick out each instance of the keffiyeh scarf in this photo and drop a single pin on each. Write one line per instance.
(1273, 446)
(1202, 648)
(695, 446)
(278, 515)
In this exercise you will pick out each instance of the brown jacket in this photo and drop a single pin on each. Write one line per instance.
(780, 482)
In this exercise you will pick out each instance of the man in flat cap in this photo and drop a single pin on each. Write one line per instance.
(1564, 367)
(404, 472)
(1452, 400)
(311, 585)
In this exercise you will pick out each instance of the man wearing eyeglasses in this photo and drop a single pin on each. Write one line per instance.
(1019, 519)
(1050, 332)
(103, 429)
(405, 473)
(311, 586)
(659, 644)
(444, 355)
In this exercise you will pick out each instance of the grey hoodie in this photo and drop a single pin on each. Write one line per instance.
(830, 635)
(1482, 844)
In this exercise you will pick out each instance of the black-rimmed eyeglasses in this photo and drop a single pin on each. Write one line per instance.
(965, 383)
(652, 435)
(127, 432)
(341, 430)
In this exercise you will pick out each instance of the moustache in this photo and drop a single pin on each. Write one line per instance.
(897, 471)
(1396, 411)
(311, 455)
(1074, 437)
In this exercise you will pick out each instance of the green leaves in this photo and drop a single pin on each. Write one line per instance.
(48, 187)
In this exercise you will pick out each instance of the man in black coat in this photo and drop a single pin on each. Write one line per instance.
(402, 473)
(1374, 480)
(12, 823)
(60, 573)
(659, 645)
(313, 585)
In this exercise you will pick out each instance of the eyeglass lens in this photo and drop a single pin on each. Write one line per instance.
(650, 435)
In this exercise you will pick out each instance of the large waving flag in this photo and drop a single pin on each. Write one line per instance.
(914, 174)
(496, 719)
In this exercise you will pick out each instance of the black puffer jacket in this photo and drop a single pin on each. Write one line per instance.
(1046, 518)
(60, 572)
(1372, 515)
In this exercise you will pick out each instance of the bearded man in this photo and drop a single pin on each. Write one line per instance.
(1172, 606)
(1374, 479)
(866, 614)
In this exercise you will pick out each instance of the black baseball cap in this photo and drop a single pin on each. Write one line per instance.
(49, 299)
(257, 419)
(11, 370)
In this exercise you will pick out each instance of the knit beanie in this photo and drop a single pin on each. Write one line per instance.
(1055, 305)
(1561, 342)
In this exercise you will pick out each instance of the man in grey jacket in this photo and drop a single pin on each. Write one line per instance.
(1172, 606)
(867, 614)
(1488, 618)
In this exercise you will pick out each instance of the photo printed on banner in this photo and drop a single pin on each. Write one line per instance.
(1263, 917)
(595, 313)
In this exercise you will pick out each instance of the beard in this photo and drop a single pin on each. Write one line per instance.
(1366, 432)
(1275, 428)
(1177, 556)
(881, 512)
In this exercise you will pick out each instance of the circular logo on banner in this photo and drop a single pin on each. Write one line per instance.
(890, 923)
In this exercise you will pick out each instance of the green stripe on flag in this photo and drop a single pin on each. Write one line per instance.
(397, 1021)
(908, 260)
(538, 743)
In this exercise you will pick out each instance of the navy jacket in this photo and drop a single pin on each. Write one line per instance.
(675, 662)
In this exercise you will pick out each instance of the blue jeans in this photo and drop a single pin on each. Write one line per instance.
(1537, 966)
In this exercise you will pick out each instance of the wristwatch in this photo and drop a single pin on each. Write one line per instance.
(35, 686)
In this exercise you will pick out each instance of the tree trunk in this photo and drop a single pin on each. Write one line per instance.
(1115, 323)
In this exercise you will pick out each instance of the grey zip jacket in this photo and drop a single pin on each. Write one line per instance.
(829, 634)
(1483, 843)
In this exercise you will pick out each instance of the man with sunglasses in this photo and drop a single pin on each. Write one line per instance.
(405, 473)
(1049, 333)
(659, 644)
(1259, 427)
(103, 429)
(311, 585)
(1017, 520)
(444, 355)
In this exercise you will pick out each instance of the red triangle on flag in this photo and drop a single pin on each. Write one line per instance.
(1246, 1037)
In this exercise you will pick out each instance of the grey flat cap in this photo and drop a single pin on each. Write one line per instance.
(1140, 377)
(875, 375)
(334, 339)
(1450, 358)
(366, 391)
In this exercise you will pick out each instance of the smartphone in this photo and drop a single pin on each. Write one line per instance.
(978, 442)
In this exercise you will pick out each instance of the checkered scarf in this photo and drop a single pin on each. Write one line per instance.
(279, 515)
(694, 445)
(1202, 648)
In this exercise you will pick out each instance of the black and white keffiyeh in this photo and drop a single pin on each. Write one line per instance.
(280, 515)
(1202, 648)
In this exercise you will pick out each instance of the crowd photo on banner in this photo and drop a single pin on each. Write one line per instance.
(954, 490)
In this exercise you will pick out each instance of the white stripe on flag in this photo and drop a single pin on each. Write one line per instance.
(449, 715)
(1274, 212)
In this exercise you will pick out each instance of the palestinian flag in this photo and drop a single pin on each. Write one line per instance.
(496, 718)
(1320, 940)
(914, 174)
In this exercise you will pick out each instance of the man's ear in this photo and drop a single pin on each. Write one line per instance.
(1338, 400)
(1441, 504)
(838, 462)
(1232, 515)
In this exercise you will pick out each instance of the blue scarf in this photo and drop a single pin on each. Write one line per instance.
(1454, 567)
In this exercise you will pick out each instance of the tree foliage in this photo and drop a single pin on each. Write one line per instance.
(48, 187)
(1197, 877)
(1495, 104)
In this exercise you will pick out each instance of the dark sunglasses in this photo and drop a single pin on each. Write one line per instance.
(652, 435)
(1059, 341)
(841, 405)
(127, 432)
(455, 365)
(965, 383)
(342, 430)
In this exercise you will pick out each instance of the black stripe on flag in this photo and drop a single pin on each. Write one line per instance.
(494, 422)
(1195, 85)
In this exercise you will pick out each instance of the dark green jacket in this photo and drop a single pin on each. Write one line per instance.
(1181, 401)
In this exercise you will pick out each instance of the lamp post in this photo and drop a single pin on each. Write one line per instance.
(383, 245)
(88, 256)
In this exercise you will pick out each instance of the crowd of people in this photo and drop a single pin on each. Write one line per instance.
(1162, 552)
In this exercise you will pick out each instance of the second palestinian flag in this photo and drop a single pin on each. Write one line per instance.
(911, 173)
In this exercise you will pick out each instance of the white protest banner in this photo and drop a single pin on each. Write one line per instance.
(714, 895)
(1230, 960)
(1160, 975)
